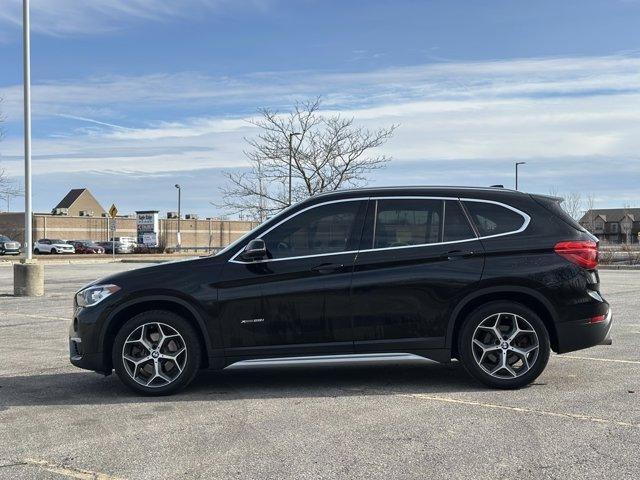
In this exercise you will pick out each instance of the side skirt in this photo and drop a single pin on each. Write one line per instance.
(349, 359)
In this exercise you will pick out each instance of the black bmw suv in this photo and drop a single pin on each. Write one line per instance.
(492, 277)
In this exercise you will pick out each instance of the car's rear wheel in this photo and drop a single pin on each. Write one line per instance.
(54, 251)
(156, 353)
(36, 251)
(504, 345)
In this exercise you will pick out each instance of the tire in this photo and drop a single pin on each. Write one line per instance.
(163, 370)
(36, 251)
(53, 251)
(512, 361)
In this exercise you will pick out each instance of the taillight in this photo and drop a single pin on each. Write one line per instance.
(582, 253)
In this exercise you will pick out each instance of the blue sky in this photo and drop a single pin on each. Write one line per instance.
(132, 96)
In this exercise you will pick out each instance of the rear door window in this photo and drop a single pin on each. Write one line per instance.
(456, 226)
(493, 219)
(404, 223)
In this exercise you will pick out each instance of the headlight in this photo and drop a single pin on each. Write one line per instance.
(95, 294)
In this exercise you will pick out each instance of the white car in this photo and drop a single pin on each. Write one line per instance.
(47, 245)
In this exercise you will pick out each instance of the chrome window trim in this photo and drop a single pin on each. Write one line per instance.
(233, 259)
(526, 218)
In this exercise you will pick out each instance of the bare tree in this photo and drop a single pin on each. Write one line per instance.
(8, 188)
(327, 153)
(571, 202)
(573, 205)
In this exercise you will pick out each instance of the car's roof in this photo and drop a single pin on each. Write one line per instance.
(446, 191)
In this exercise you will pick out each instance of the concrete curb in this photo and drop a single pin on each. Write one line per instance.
(618, 267)
(90, 261)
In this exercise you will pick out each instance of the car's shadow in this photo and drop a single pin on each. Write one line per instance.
(86, 388)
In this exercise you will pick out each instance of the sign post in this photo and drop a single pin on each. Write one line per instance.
(113, 211)
(148, 228)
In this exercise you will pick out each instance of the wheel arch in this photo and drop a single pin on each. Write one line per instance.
(176, 305)
(526, 296)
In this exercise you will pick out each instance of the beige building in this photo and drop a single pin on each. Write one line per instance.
(79, 202)
(196, 233)
(79, 216)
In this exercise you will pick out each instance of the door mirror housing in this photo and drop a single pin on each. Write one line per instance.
(255, 250)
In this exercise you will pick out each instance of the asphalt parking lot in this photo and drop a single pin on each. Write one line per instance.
(581, 419)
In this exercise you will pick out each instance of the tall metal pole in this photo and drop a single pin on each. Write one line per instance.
(291, 135)
(290, 165)
(179, 214)
(518, 163)
(28, 248)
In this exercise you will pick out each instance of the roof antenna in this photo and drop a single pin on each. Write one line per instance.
(497, 186)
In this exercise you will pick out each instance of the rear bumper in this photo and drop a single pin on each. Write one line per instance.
(579, 334)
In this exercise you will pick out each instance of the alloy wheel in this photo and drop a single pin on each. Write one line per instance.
(505, 345)
(154, 354)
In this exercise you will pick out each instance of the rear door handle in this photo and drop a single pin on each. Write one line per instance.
(457, 254)
(324, 268)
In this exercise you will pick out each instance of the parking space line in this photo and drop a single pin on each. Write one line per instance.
(533, 411)
(613, 360)
(77, 473)
(48, 317)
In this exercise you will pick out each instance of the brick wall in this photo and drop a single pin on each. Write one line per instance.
(194, 233)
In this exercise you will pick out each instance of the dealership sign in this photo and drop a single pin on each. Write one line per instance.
(148, 227)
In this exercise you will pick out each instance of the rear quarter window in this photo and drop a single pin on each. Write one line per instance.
(554, 206)
(493, 219)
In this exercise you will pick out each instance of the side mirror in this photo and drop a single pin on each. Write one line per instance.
(255, 250)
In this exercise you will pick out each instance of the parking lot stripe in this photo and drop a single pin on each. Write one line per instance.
(533, 411)
(614, 360)
(78, 473)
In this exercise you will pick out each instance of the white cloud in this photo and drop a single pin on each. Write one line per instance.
(90, 17)
(552, 112)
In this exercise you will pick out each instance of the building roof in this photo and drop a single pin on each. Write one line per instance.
(611, 214)
(79, 199)
(70, 198)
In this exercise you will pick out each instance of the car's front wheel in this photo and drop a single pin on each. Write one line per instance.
(156, 353)
(504, 345)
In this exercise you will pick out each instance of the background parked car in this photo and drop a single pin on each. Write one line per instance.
(8, 246)
(127, 240)
(55, 245)
(86, 246)
(120, 247)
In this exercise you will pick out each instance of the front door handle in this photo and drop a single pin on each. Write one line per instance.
(325, 268)
(457, 254)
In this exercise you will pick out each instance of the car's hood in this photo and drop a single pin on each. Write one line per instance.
(174, 274)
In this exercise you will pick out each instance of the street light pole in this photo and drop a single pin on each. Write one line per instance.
(26, 27)
(518, 163)
(291, 135)
(28, 276)
(179, 215)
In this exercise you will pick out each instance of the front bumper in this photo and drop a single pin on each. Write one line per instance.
(84, 342)
(579, 334)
